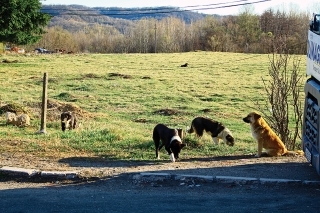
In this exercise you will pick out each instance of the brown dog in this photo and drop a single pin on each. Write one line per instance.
(265, 137)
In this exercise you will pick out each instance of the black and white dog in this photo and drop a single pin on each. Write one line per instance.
(184, 65)
(214, 128)
(68, 121)
(171, 139)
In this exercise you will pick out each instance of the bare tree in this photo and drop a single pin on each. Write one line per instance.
(284, 105)
(57, 38)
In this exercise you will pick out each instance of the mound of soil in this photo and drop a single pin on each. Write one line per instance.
(166, 112)
(14, 107)
(120, 75)
(55, 108)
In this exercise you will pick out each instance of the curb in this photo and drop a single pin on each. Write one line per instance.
(64, 174)
(19, 171)
(15, 171)
(151, 177)
(154, 177)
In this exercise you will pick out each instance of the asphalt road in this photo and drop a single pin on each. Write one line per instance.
(123, 194)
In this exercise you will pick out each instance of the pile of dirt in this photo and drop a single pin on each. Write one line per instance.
(167, 112)
(120, 75)
(55, 108)
(15, 108)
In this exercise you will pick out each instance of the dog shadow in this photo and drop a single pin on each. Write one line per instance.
(106, 161)
(275, 170)
(219, 158)
(112, 161)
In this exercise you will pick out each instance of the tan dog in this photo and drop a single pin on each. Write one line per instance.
(21, 120)
(265, 137)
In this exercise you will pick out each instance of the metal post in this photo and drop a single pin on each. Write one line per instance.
(44, 104)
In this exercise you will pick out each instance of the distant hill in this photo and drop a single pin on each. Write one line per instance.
(74, 17)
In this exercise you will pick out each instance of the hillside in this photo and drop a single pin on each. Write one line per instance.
(75, 17)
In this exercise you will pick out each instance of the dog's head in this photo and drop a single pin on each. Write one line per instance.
(227, 137)
(11, 117)
(251, 117)
(229, 140)
(65, 120)
(176, 147)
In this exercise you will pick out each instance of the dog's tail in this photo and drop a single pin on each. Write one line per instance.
(294, 153)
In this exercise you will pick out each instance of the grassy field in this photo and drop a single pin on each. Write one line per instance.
(121, 97)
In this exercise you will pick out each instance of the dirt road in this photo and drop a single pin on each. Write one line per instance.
(296, 168)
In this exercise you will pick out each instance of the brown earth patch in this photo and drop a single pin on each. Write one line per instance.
(120, 75)
(167, 112)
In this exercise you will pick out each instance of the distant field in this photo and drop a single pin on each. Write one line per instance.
(121, 97)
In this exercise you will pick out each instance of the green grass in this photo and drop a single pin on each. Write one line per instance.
(126, 95)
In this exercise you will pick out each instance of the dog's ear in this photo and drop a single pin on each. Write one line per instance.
(257, 116)
(180, 133)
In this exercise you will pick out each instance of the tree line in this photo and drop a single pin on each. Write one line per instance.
(244, 33)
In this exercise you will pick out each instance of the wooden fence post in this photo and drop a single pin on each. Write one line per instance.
(44, 104)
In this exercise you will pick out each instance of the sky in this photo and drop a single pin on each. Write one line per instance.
(203, 6)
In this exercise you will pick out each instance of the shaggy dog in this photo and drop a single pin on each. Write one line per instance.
(68, 121)
(11, 118)
(265, 137)
(171, 139)
(214, 128)
(21, 120)
(184, 65)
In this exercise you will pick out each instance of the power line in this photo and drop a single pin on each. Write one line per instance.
(143, 8)
(226, 3)
(161, 10)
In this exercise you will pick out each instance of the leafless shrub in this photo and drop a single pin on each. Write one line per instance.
(283, 98)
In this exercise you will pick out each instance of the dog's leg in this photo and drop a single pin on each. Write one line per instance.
(158, 149)
(157, 153)
(156, 140)
(170, 154)
(215, 140)
(168, 149)
(70, 124)
(274, 152)
(74, 122)
(260, 146)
